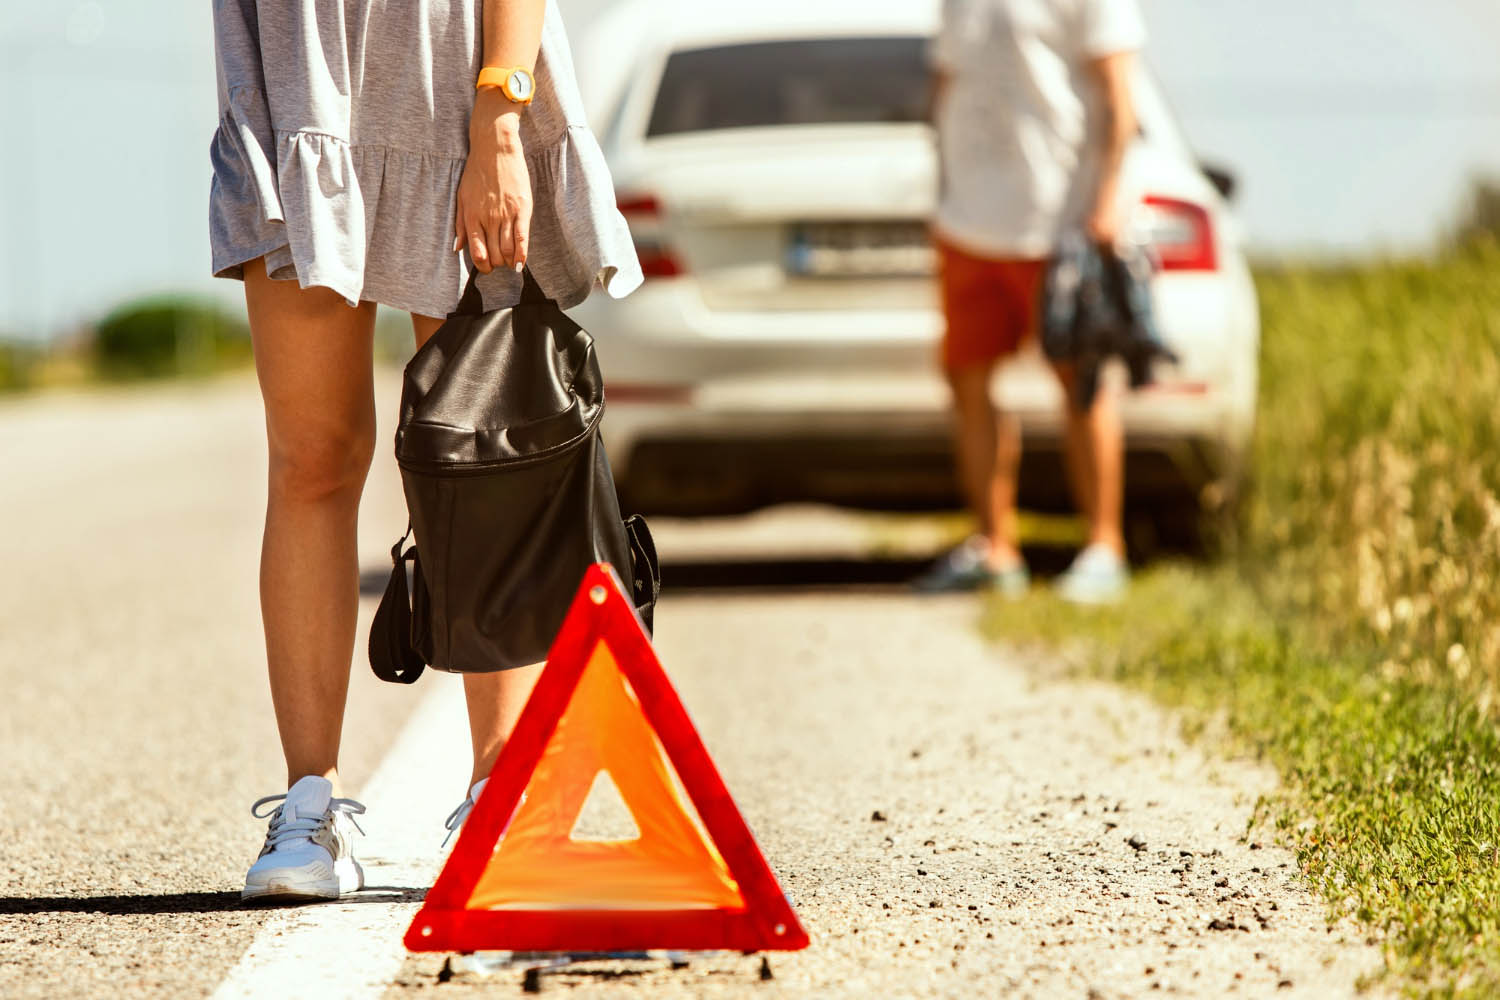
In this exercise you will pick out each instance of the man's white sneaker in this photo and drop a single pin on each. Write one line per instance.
(308, 853)
(1098, 576)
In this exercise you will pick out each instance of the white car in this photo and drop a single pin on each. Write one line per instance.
(776, 169)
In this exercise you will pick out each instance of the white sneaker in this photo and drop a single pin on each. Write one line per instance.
(308, 852)
(1098, 576)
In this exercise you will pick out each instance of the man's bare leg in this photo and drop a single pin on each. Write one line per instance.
(988, 449)
(1095, 454)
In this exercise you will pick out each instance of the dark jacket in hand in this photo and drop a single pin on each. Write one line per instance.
(1096, 304)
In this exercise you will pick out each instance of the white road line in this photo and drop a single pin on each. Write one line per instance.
(353, 950)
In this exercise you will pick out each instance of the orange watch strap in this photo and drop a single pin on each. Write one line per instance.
(491, 76)
(498, 76)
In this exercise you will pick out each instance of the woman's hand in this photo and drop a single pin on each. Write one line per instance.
(493, 219)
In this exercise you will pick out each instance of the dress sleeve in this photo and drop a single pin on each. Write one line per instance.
(1111, 26)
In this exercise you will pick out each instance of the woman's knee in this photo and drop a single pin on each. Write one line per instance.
(314, 464)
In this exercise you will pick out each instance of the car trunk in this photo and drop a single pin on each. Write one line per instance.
(803, 218)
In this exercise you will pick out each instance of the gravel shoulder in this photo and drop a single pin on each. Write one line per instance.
(136, 721)
(949, 825)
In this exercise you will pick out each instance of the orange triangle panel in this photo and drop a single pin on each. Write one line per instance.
(517, 879)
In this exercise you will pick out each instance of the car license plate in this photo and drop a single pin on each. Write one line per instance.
(887, 249)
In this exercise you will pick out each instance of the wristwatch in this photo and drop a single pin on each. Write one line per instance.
(516, 83)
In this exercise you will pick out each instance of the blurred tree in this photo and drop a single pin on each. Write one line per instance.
(17, 365)
(1481, 219)
(159, 337)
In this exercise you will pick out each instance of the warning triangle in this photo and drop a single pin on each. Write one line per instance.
(539, 861)
(521, 878)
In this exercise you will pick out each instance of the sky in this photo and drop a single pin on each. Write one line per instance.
(1355, 127)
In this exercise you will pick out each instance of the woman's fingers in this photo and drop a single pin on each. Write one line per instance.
(515, 234)
(469, 235)
(508, 241)
(479, 253)
(522, 234)
(494, 226)
(495, 237)
(493, 208)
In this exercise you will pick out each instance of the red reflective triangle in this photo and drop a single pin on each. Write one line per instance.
(681, 885)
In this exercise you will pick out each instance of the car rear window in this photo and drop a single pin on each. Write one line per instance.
(805, 82)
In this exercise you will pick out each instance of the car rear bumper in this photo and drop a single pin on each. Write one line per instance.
(697, 476)
(681, 460)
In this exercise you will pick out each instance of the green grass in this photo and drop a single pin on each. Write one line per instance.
(1377, 460)
(1353, 639)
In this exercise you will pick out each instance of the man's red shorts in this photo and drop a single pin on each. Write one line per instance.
(991, 305)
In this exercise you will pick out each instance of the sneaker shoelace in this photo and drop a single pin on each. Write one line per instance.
(283, 830)
(456, 818)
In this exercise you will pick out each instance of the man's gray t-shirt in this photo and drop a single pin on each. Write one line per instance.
(1015, 122)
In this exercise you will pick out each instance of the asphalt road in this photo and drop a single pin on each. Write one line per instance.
(948, 821)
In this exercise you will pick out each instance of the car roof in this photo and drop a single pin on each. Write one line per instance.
(680, 24)
(615, 43)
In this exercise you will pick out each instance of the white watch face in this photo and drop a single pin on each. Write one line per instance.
(520, 85)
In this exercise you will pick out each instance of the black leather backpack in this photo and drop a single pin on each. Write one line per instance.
(509, 491)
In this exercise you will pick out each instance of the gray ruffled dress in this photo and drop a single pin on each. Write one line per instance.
(343, 130)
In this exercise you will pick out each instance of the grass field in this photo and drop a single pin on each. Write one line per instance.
(1353, 636)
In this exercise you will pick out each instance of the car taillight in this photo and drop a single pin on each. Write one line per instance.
(1182, 234)
(643, 214)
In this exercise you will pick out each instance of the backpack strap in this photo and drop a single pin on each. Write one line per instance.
(392, 655)
(645, 571)
(472, 302)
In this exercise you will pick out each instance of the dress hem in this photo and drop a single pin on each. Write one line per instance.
(374, 223)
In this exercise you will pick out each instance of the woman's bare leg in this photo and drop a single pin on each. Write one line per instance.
(495, 700)
(495, 703)
(313, 359)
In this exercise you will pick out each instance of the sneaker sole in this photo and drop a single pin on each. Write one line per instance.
(286, 890)
(952, 586)
(1011, 588)
(1092, 598)
(348, 877)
